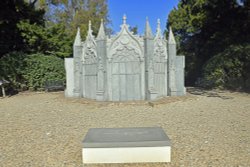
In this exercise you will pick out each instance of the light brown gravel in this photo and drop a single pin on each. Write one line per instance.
(46, 129)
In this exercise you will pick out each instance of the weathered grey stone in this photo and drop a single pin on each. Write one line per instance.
(90, 62)
(172, 91)
(126, 137)
(151, 93)
(69, 66)
(125, 66)
(160, 63)
(171, 39)
(101, 51)
(148, 32)
(77, 64)
(180, 75)
(126, 145)
(101, 34)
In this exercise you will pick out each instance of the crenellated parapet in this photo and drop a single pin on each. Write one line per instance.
(125, 66)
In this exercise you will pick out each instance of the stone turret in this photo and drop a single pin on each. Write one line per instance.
(101, 33)
(89, 66)
(158, 29)
(77, 64)
(77, 41)
(149, 51)
(148, 32)
(171, 38)
(101, 42)
(171, 64)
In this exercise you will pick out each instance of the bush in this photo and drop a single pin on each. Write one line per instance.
(229, 69)
(11, 67)
(40, 68)
(30, 71)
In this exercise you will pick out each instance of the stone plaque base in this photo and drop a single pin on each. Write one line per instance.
(126, 145)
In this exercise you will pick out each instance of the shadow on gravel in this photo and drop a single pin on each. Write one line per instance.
(207, 93)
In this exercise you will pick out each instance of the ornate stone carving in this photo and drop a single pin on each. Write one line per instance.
(160, 49)
(125, 53)
(90, 56)
(125, 66)
(89, 49)
(125, 47)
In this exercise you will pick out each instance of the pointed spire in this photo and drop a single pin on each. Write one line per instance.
(77, 41)
(90, 24)
(124, 19)
(171, 39)
(158, 30)
(89, 31)
(148, 32)
(101, 33)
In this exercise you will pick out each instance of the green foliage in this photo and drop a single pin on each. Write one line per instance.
(134, 30)
(77, 13)
(50, 40)
(11, 13)
(42, 37)
(63, 18)
(229, 69)
(40, 68)
(11, 67)
(24, 28)
(30, 71)
(205, 29)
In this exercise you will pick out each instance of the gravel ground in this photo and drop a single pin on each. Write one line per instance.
(45, 129)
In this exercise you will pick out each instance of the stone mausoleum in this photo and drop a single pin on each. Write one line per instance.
(125, 66)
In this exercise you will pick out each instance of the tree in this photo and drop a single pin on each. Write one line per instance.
(50, 40)
(134, 29)
(205, 28)
(77, 13)
(56, 36)
(26, 27)
(11, 13)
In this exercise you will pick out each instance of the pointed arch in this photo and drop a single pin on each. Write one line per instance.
(125, 42)
(125, 56)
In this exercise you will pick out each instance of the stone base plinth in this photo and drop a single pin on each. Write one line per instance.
(126, 145)
(126, 155)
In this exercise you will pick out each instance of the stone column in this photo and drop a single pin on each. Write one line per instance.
(148, 52)
(101, 42)
(171, 64)
(180, 75)
(77, 64)
(69, 68)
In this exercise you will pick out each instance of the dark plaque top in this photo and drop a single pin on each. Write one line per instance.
(126, 137)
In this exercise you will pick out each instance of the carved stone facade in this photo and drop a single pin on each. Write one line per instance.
(125, 66)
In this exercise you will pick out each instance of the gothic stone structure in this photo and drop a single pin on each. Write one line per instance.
(125, 66)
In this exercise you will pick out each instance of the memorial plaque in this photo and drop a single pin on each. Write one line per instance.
(126, 145)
